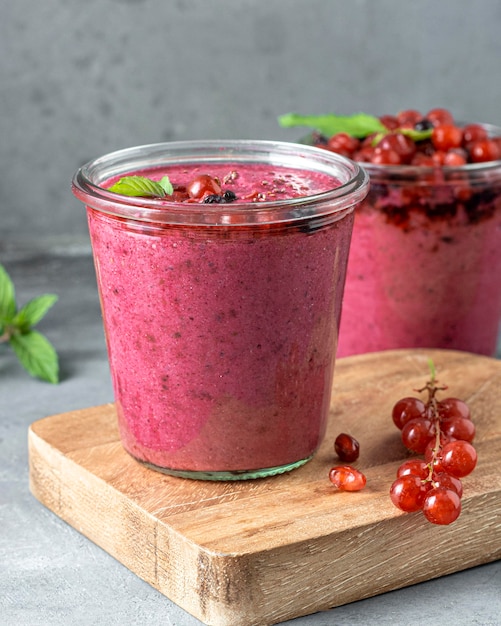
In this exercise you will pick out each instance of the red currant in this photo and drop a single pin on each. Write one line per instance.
(344, 144)
(473, 132)
(399, 143)
(441, 479)
(453, 407)
(347, 448)
(390, 121)
(347, 478)
(408, 117)
(422, 160)
(441, 506)
(383, 156)
(414, 466)
(459, 458)
(417, 433)
(407, 409)
(408, 492)
(439, 116)
(447, 136)
(458, 428)
(456, 157)
(481, 151)
(203, 185)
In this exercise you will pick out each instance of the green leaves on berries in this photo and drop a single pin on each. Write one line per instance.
(35, 353)
(141, 186)
(358, 125)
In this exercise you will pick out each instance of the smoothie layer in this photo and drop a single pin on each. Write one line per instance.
(222, 340)
(424, 268)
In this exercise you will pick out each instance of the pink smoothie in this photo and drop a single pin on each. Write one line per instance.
(425, 264)
(222, 340)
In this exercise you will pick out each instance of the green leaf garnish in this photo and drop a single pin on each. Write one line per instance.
(358, 125)
(37, 355)
(166, 185)
(34, 351)
(141, 186)
(32, 312)
(7, 297)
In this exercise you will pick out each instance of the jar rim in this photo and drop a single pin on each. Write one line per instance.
(87, 181)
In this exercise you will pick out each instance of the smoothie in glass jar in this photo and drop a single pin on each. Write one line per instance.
(425, 260)
(221, 300)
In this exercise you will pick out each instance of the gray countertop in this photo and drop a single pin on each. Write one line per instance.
(52, 575)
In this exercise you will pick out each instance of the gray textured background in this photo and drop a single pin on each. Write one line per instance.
(79, 79)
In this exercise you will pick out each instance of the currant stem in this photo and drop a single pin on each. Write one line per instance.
(432, 411)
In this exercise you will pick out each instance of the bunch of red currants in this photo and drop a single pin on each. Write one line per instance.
(442, 431)
(439, 141)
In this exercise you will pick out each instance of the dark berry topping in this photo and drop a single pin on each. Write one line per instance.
(423, 124)
(213, 198)
(229, 196)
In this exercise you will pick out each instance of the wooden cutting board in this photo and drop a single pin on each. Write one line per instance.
(263, 551)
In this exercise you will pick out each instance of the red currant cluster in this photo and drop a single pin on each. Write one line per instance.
(442, 431)
(446, 144)
(346, 477)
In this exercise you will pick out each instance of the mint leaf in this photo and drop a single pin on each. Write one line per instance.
(7, 297)
(357, 125)
(138, 186)
(32, 312)
(37, 355)
(166, 185)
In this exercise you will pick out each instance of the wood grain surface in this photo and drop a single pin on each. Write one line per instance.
(262, 551)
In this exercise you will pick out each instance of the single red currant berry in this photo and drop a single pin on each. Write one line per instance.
(417, 467)
(458, 428)
(441, 479)
(344, 144)
(203, 185)
(453, 407)
(364, 155)
(347, 478)
(456, 157)
(408, 492)
(417, 433)
(399, 143)
(440, 116)
(482, 151)
(383, 156)
(447, 136)
(441, 506)
(390, 121)
(438, 157)
(459, 458)
(347, 448)
(408, 117)
(422, 160)
(473, 132)
(407, 409)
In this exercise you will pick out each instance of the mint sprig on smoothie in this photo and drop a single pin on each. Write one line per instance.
(35, 353)
(141, 186)
(359, 125)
